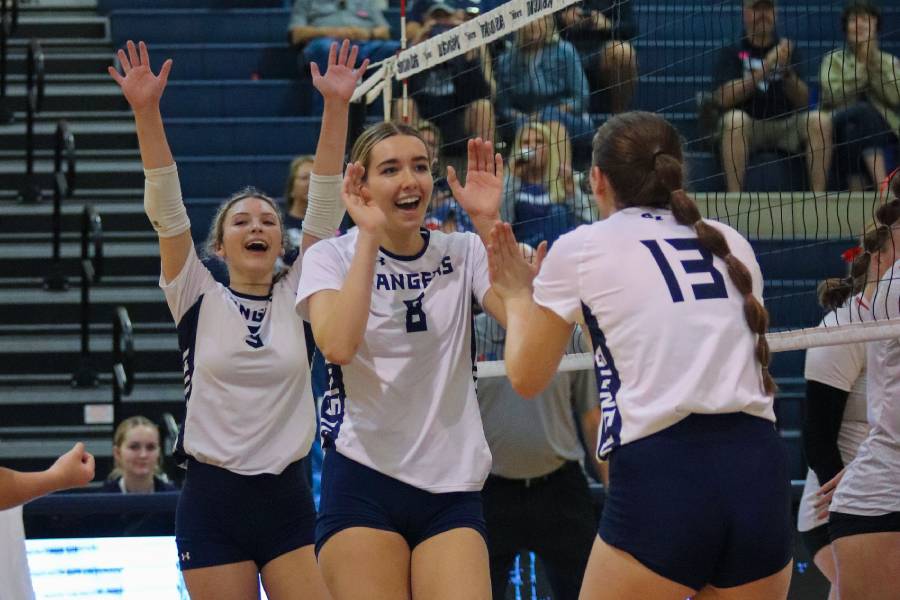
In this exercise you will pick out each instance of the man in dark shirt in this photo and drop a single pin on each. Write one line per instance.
(759, 83)
(599, 29)
(454, 95)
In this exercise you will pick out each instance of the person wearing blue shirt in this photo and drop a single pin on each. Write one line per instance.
(541, 78)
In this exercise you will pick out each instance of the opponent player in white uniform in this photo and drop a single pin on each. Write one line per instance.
(864, 520)
(245, 509)
(391, 308)
(699, 498)
(835, 422)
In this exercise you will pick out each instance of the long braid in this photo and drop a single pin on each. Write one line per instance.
(685, 211)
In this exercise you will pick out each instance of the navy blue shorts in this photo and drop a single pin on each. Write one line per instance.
(224, 518)
(705, 501)
(354, 495)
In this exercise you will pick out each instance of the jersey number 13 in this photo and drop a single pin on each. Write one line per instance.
(702, 291)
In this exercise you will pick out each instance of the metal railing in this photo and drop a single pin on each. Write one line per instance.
(9, 20)
(63, 187)
(34, 100)
(91, 273)
(123, 361)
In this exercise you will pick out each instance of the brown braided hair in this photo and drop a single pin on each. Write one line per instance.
(835, 291)
(640, 154)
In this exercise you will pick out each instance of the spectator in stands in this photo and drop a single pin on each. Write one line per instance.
(138, 459)
(599, 29)
(541, 78)
(75, 468)
(861, 84)
(541, 198)
(444, 212)
(536, 497)
(296, 195)
(316, 24)
(760, 84)
(456, 94)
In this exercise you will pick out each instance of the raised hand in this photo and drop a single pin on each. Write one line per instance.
(480, 197)
(75, 468)
(339, 80)
(367, 216)
(140, 86)
(511, 272)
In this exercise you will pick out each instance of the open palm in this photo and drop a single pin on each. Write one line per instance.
(142, 89)
(367, 216)
(341, 76)
(480, 197)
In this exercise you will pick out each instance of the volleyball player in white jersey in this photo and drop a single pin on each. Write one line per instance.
(391, 308)
(864, 519)
(699, 496)
(835, 415)
(245, 510)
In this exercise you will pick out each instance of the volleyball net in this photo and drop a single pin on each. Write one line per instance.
(797, 175)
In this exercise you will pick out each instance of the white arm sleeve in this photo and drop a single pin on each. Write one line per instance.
(325, 209)
(162, 201)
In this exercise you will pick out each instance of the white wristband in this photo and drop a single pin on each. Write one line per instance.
(162, 201)
(325, 209)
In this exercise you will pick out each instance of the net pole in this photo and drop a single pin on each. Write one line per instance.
(405, 91)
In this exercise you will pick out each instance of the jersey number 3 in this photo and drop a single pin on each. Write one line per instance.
(702, 291)
(415, 316)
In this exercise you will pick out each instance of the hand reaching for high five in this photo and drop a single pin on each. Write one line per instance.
(480, 197)
(140, 86)
(341, 76)
(367, 216)
(511, 272)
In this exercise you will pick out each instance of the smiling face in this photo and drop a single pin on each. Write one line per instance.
(138, 453)
(399, 181)
(250, 240)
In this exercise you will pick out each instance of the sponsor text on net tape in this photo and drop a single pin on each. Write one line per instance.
(485, 28)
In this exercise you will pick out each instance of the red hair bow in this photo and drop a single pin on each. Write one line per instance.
(850, 254)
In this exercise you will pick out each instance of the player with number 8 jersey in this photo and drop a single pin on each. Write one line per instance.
(390, 304)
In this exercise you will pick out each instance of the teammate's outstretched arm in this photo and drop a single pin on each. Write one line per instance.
(162, 191)
(536, 337)
(339, 317)
(481, 198)
(75, 468)
(325, 209)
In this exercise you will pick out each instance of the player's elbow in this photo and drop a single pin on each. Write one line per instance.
(524, 383)
(338, 354)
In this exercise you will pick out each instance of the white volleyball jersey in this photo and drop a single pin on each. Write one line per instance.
(871, 483)
(843, 367)
(667, 323)
(405, 405)
(249, 402)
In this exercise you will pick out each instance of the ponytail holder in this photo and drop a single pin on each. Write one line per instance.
(850, 254)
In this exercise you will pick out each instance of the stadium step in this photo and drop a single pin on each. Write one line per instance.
(160, 26)
(228, 61)
(107, 6)
(60, 352)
